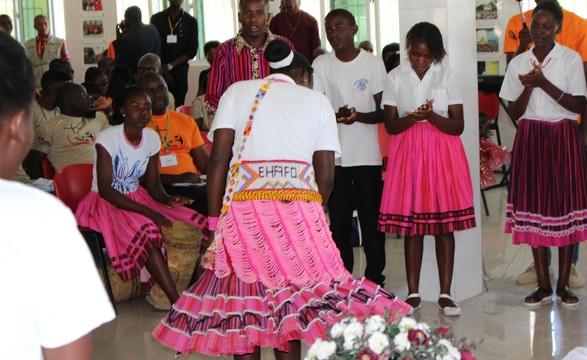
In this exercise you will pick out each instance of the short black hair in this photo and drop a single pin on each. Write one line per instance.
(429, 35)
(51, 78)
(123, 94)
(133, 14)
(552, 7)
(91, 88)
(17, 88)
(210, 45)
(92, 73)
(343, 13)
(66, 91)
(242, 2)
(392, 52)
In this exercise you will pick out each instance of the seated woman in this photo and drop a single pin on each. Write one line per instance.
(128, 214)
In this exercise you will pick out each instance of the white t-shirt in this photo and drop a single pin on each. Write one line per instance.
(291, 122)
(129, 163)
(562, 66)
(353, 83)
(405, 90)
(52, 294)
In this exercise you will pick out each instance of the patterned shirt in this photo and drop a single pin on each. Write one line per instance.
(236, 60)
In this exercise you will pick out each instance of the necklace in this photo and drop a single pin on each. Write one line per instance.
(293, 28)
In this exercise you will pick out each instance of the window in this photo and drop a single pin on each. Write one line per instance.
(217, 20)
(360, 9)
(30, 9)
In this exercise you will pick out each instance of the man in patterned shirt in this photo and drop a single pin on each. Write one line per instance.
(241, 58)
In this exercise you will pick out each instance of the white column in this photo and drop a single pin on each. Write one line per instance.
(456, 21)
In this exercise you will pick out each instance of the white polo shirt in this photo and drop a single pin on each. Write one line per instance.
(353, 83)
(562, 66)
(405, 90)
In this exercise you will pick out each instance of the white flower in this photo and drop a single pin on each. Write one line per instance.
(352, 334)
(374, 324)
(321, 350)
(401, 341)
(353, 331)
(407, 323)
(378, 342)
(453, 352)
(337, 329)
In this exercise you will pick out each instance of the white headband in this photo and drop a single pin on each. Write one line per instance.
(283, 63)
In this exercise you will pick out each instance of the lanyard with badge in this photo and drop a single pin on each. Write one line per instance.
(172, 39)
(168, 159)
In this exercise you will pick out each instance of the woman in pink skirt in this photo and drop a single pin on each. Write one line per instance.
(273, 274)
(128, 215)
(430, 192)
(547, 199)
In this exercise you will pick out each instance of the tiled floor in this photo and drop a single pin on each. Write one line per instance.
(509, 329)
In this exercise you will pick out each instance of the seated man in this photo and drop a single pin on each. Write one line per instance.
(46, 106)
(69, 137)
(183, 155)
(151, 62)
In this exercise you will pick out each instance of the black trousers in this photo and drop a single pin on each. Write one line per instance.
(359, 186)
(180, 83)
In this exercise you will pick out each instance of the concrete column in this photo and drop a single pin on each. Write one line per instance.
(456, 21)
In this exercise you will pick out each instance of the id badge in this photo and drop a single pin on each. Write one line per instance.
(168, 160)
(172, 39)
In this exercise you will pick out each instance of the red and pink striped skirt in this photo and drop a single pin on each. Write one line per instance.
(547, 199)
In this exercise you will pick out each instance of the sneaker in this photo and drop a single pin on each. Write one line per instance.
(576, 280)
(529, 277)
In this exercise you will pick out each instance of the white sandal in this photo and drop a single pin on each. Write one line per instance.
(413, 296)
(449, 310)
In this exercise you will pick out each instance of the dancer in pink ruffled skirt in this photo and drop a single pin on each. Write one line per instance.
(273, 274)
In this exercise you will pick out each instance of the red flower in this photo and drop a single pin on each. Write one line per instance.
(366, 354)
(442, 331)
(467, 354)
(418, 337)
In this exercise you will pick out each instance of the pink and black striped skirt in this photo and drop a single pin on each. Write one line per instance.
(547, 199)
(428, 188)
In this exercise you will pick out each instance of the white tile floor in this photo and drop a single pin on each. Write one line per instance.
(509, 329)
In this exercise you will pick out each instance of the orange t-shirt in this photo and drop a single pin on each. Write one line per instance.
(184, 136)
(573, 34)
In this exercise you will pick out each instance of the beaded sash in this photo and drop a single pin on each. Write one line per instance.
(210, 255)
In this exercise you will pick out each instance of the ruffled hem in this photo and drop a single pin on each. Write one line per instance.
(226, 316)
(278, 243)
(538, 230)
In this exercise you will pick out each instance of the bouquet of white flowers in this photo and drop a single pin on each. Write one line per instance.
(378, 338)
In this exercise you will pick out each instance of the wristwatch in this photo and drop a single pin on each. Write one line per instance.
(169, 67)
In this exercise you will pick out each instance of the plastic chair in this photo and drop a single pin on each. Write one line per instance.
(185, 109)
(72, 183)
(48, 171)
(204, 135)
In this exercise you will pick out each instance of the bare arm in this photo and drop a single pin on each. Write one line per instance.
(323, 162)
(32, 164)
(218, 168)
(393, 123)
(349, 116)
(200, 157)
(454, 124)
(80, 349)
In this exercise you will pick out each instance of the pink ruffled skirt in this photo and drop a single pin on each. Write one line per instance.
(429, 190)
(130, 236)
(278, 277)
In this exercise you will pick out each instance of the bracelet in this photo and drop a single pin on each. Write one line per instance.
(213, 223)
(560, 97)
